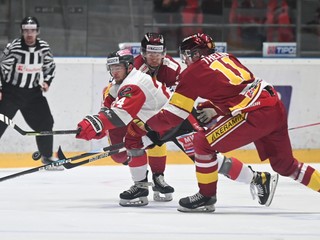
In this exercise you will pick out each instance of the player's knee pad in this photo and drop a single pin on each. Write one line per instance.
(138, 160)
(136, 152)
(120, 157)
(158, 151)
(224, 164)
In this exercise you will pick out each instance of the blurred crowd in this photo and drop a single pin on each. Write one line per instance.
(206, 15)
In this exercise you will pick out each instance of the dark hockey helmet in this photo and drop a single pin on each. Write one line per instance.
(30, 23)
(153, 42)
(197, 43)
(121, 56)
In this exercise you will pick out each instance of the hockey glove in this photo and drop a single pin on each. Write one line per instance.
(91, 127)
(136, 130)
(206, 112)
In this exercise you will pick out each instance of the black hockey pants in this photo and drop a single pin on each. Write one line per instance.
(34, 109)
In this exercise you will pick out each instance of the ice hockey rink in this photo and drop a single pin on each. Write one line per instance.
(82, 203)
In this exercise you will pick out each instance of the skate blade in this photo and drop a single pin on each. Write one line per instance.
(273, 185)
(137, 202)
(165, 197)
(204, 209)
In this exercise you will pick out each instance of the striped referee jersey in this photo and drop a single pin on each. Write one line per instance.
(22, 66)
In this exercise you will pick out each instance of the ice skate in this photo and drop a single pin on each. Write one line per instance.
(49, 160)
(197, 203)
(162, 192)
(264, 186)
(137, 195)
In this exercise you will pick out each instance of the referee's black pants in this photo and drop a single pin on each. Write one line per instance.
(35, 110)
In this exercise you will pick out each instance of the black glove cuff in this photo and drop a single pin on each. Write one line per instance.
(95, 122)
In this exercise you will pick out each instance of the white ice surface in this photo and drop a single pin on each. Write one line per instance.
(82, 203)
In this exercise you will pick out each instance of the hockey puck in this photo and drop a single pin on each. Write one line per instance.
(36, 155)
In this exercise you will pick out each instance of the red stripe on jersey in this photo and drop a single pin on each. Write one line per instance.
(108, 100)
(139, 161)
(163, 87)
(107, 124)
(206, 168)
(307, 176)
(235, 169)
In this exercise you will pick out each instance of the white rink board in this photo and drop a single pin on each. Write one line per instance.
(77, 90)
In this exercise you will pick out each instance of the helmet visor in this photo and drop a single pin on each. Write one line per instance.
(112, 61)
(185, 56)
(116, 68)
(29, 26)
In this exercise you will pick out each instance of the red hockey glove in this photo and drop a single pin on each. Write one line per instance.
(91, 127)
(136, 130)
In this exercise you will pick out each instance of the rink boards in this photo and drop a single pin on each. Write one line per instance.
(13, 160)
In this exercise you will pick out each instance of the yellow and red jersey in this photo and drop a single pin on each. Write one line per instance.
(222, 79)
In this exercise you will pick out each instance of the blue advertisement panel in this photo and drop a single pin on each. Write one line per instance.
(285, 93)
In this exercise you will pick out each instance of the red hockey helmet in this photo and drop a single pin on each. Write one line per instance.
(199, 43)
(153, 42)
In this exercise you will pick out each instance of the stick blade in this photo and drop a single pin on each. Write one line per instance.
(60, 154)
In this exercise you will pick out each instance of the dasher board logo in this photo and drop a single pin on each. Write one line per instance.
(221, 47)
(134, 47)
(279, 49)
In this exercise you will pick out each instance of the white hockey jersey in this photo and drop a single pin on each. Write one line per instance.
(139, 96)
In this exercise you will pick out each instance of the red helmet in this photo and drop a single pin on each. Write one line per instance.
(200, 43)
(153, 42)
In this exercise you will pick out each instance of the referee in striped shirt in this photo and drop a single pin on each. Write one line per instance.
(22, 64)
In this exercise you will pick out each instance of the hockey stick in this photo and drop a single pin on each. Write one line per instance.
(10, 123)
(114, 149)
(172, 137)
(70, 165)
(304, 126)
(107, 151)
(153, 137)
